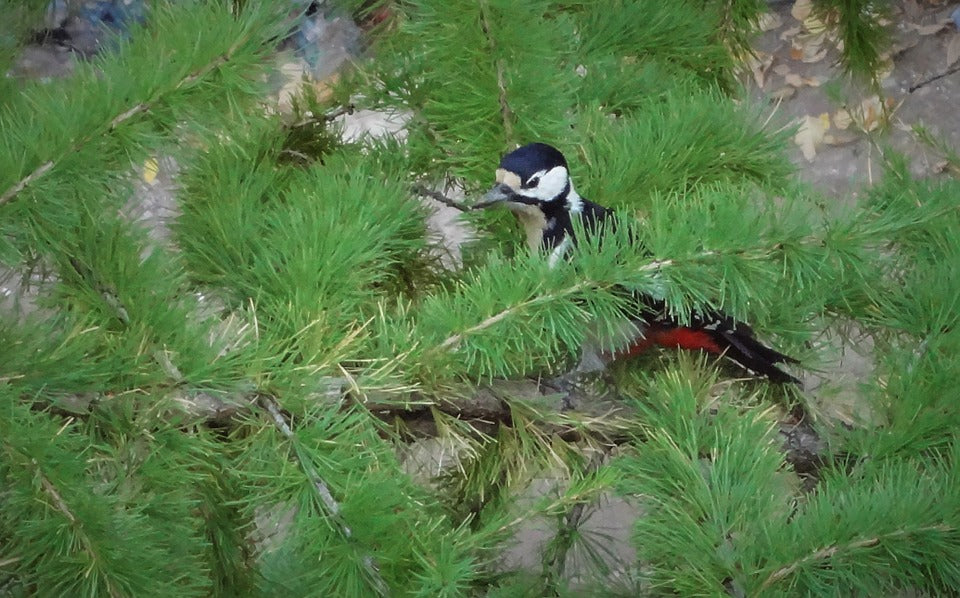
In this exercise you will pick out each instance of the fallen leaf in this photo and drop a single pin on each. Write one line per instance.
(840, 138)
(784, 93)
(808, 47)
(814, 25)
(782, 69)
(769, 21)
(797, 81)
(885, 68)
(150, 170)
(842, 119)
(789, 33)
(323, 89)
(815, 57)
(869, 115)
(953, 49)
(810, 135)
(759, 63)
(940, 166)
(801, 9)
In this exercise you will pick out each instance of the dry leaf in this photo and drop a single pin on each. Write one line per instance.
(797, 81)
(840, 138)
(940, 166)
(784, 93)
(323, 90)
(801, 9)
(814, 25)
(885, 68)
(953, 49)
(808, 48)
(769, 21)
(789, 33)
(759, 63)
(842, 119)
(815, 56)
(869, 115)
(782, 69)
(150, 170)
(811, 133)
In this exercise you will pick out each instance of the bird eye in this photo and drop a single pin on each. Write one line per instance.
(533, 182)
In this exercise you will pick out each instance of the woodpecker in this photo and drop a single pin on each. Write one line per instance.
(534, 183)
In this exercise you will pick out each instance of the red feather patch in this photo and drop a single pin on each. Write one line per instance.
(683, 338)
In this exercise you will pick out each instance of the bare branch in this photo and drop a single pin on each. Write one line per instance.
(440, 197)
(946, 73)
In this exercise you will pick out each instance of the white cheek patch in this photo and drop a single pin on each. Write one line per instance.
(552, 183)
(511, 179)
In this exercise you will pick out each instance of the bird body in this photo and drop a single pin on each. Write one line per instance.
(534, 183)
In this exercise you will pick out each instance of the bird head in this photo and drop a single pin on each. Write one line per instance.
(530, 176)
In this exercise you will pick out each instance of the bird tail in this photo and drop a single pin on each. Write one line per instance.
(736, 343)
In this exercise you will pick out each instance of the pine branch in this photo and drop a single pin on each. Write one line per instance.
(119, 119)
(829, 552)
(505, 113)
(64, 509)
(122, 314)
(453, 340)
(323, 491)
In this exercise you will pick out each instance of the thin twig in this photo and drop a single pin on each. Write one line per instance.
(54, 495)
(829, 551)
(64, 509)
(343, 111)
(440, 197)
(128, 114)
(455, 339)
(123, 315)
(323, 491)
(505, 112)
(19, 186)
(946, 73)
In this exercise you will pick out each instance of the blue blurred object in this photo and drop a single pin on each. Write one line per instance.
(323, 38)
(321, 35)
(85, 26)
(116, 15)
(955, 15)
